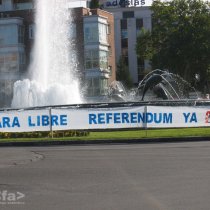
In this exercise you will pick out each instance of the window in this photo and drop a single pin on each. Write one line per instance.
(91, 59)
(125, 52)
(103, 55)
(2, 85)
(140, 63)
(91, 33)
(102, 33)
(124, 24)
(139, 25)
(97, 86)
(8, 34)
(20, 34)
(103, 86)
(1, 60)
(124, 43)
(8, 87)
(23, 4)
(93, 88)
(31, 31)
(129, 14)
(9, 62)
(110, 71)
(0, 2)
(108, 29)
(124, 34)
(21, 58)
(126, 60)
(21, 1)
(110, 51)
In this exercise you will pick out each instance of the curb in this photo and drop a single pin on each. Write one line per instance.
(103, 141)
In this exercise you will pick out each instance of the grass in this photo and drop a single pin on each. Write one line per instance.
(132, 134)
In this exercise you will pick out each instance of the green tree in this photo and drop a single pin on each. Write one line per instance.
(180, 38)
(144, 46)
(123, 74)
(94, 4)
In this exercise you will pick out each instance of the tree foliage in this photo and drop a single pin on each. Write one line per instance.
(144, 44)
(123, 74)
(94, 4)
(180, 38)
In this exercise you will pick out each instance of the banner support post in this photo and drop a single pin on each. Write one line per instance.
(145, 124)
(50, 119)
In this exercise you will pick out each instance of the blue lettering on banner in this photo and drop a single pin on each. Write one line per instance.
(117, 118)
(9, 122)
(186, 116)
(44, 120)
(108, 117)
(133, 117)
(101, 119)
(127, 118)
(63, 119)
(190, 117)
(15, 122)
(30, 123)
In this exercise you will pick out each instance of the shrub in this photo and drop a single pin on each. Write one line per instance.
(44, 134)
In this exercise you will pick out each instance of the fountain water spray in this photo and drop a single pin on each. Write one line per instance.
(53, 68)
(160, 85)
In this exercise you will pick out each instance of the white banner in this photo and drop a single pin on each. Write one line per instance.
(98, 118)
(181, 116)
(24, 121)
(104, 118)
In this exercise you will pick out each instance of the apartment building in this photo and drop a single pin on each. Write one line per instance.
(15, 44)
(95, 40)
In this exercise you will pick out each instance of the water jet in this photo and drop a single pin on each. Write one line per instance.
(51, 78)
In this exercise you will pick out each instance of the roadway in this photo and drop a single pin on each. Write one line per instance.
(165, 176)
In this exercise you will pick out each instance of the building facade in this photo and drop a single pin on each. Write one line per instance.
(93, 39)
(15, 44)
(129, 20)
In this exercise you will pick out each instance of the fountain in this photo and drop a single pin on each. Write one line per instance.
(166, 85)
(50, 99)
(156, 85)
(54, 65)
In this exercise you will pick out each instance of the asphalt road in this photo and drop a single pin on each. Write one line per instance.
(165, 176)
